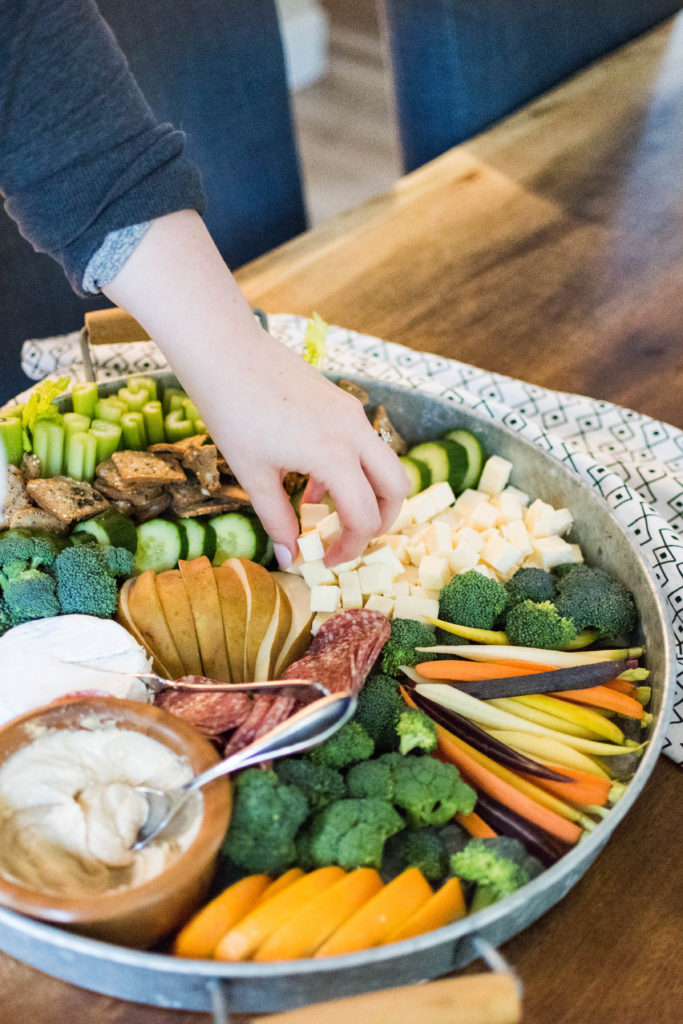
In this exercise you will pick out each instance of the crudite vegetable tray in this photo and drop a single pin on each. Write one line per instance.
(172, 982)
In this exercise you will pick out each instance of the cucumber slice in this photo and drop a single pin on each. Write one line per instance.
(476, 454)
(238, 536)
(446, 460)
(111, 527)
(199, 538)
(160, 545)
(417, 472)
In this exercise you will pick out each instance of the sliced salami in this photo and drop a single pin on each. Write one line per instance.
(251, 727)
(211, 713)
(343, 650)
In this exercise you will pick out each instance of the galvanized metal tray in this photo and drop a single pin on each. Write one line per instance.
(166, 981)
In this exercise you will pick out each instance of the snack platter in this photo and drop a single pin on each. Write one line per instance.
(173, 982)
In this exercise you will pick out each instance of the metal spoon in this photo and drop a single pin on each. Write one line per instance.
(309, 726)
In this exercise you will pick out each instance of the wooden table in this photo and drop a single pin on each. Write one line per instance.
(549, 248)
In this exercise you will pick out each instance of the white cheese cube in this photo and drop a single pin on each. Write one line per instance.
(563, 520)
(422, 507)
(516, 533)
(415, 608)
(463, 556)
(485, 570)
(522, 496)
(494, 475)
(311, 546)
(551, 551)
(325, 599)
(539, 519)
(384, 555)
(576, 554)
(416, 552)
(433, 570)
(318, 621)
(441, 495)
(417, 590)
(349, 584)
(375, 579)
(467, 501)
(401, 589)
(509, 507)
(379, 603)
(311, 514)
(470, 536)
(415, 531)
(500, 555)
(450, 517)
(346, 566)
(438, 538)
(484, 516)
(329, 528)
(317, 573)
(403, 518)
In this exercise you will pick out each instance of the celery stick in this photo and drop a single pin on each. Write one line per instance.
(140, 382)
(111, 409)
(191, 410)
(81, 456)
(176, 426)
(74, 423)
(200, 427)
(84, 396)
(173, 398)
(134, 400)
(154, 422)
(11, 437)
(107, 437)
(48, 445)
(133, 427)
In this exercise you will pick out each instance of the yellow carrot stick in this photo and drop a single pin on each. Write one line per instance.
(201, 933)
(447, 904)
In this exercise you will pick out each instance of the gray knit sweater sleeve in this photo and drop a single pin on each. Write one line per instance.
(81, 154)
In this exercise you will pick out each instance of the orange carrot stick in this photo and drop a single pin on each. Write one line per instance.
(604, 697)
(475, 825)
(623, 686)
(472, 671)
(470, 763)
(201, 933)
(281, 883)
(445, 905)
(247, 935)
(380, 916)
(313, 923)
(581, 787)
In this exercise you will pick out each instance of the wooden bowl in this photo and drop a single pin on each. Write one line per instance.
(139, 915)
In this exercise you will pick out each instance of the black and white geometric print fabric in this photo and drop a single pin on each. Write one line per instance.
(635, 462)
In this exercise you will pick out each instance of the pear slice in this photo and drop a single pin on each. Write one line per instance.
(232, 597)
(125, 619)
(173, 598)
(278, 629)
(298, 639)
(202, 593)
(146, 611)
(261, 592)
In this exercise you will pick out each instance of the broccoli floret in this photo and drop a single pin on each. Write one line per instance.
(86, 584)
(498, 867)
(28, 595)
(529, 624)
(379, 706)
(406, 635)
(416, 731)
(120, 561)
(421, 848)
(5, 617)
(21, 548)
(348, 745)
(429, 791)
(351, 833)
(472, 599)
(372, 778)
(319, 784)
(594, 599)
(530, 585)
(264, 823)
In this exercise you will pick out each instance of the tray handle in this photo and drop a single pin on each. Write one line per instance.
(493, 997)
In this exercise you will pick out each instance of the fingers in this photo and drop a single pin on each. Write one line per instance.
(314, 491)
(388, 480)
(274, 509)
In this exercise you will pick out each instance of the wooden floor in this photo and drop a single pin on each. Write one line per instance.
(345, 122)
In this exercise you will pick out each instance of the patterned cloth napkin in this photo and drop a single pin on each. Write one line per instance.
(635, 462)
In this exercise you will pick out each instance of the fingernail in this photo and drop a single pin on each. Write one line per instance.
(283, 555)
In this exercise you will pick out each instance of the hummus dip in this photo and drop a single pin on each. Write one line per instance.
(69, 811)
